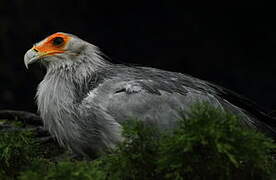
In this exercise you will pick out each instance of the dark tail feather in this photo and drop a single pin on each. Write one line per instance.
(267, 121)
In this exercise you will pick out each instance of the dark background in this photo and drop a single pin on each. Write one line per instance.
(232, 47)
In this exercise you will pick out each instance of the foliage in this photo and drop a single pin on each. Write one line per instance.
(211, 143)
(64, 170)
(136, 157)
(20, 149)
(208, 143)
(16, 150)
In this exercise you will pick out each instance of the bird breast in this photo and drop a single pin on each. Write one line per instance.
(55, 97)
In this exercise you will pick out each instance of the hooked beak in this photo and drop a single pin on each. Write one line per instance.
(31, 56)
(34, 54)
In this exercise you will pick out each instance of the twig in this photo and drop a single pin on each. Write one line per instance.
(23, 116)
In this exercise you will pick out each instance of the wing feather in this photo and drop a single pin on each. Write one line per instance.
(157, 96)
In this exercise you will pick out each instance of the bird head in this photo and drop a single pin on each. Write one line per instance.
(59, 50)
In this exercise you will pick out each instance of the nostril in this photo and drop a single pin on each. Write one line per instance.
(35, 50)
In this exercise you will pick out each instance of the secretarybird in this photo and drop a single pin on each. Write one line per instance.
(83, 98)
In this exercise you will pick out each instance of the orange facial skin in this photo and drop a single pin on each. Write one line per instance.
(49, 48)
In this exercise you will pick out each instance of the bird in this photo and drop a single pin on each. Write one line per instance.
(84, 98)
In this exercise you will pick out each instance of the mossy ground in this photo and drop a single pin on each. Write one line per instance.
(208, 144)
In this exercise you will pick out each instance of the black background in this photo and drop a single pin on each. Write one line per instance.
(232, 47)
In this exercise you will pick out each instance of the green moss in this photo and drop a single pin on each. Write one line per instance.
(16, 150)
(64, 170)
(136, 157)
(20, 149)
(207, 144)
(211, 143)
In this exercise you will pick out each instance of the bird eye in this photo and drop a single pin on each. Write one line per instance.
(58, 41)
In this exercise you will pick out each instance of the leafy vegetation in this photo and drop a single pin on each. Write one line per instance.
(15, 151)
(208, 143)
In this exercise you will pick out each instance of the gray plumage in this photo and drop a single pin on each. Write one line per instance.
(83, 99)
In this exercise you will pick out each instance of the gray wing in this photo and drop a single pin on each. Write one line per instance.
(150, 100)
(152, 96)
